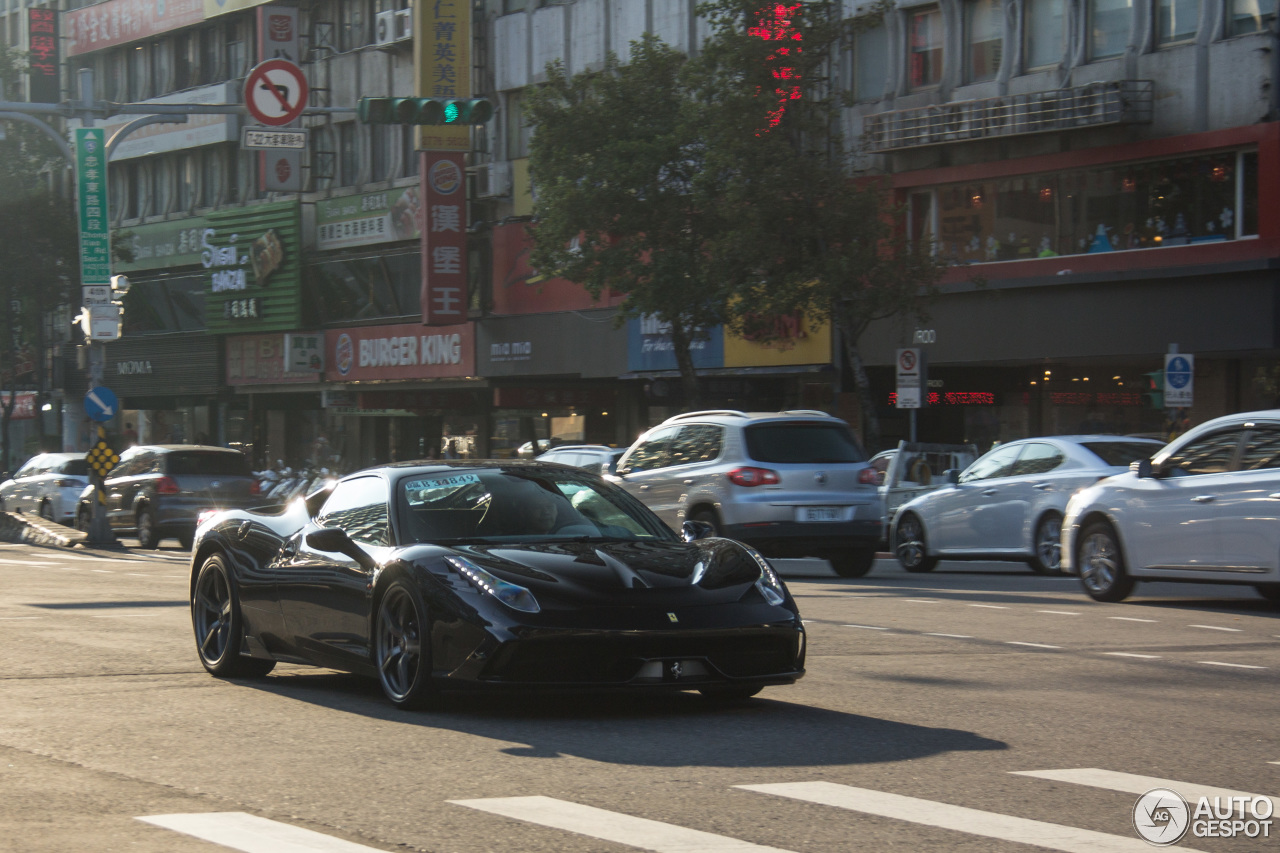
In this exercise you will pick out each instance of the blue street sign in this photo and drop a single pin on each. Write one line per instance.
(101, 403)
(1177, 373)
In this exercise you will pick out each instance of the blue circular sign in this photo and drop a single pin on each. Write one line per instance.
(1177, 373)
(101, 404)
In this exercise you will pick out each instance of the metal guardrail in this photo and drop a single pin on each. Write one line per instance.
(1092, 105)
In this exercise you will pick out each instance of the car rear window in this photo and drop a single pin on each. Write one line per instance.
(75, 467)
(206, 462)
(803, 442)
(1122, 452)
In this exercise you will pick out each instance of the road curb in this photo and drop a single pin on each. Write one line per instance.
(31, 530)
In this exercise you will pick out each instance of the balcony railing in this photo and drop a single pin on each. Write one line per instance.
(1093, 105)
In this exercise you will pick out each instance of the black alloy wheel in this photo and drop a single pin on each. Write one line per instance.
(910, 548)
(1102, 572)
(148, 536)
(215, 618)
(402, 648)
(1046, 556)
(851, 562)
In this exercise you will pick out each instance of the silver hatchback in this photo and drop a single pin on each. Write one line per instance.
(791, 484)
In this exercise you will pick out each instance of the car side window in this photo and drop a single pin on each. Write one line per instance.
(1261, 449)
(130, 465)
(359, 507)
(1209, 454)
(31, 469)
(997, 463)
(696, 443)
(1037, 458)
(652, 453)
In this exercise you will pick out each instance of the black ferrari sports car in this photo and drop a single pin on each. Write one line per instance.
(501, 573)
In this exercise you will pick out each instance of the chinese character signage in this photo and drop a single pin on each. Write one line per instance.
(117, 22)
(444, 242)
(164, 245)
(91, 183)
(254, 268)
(403, 351)
(362, 220)
(265, 359)
(42, 56)
(442, 55)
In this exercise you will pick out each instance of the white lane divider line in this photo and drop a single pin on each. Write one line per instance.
(103, 571)
(1020, 830)
(990, 606)
(954, 636)
(8, 562)
(1233, 665)
(251, 834)
(1131, 619)
(17, 618)
(867, 627)
(1061, 612)
(612, 826)
(1033, 645)
(921, 600)
(1216, 628)
(1132, 655)
(1130, 783)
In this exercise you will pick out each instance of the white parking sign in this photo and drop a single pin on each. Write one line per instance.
(1179, 379)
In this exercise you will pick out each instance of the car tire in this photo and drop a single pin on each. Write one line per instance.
(148, 535)
(1269, 591)
(402, 651)
(1101, 565)
(708, 516)
(84, 518)
(851, 562)
(730, 692)
(216, 621)
(1046, 545)
(186, 540)
(910, 547)
(46, 511)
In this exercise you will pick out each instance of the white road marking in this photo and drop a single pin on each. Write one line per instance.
(1132, 655)
(612, 826)
(1033, 645)
(16, 618)
(8, 562)
(1061, 612)
(868, 627)
(921, 600)
(1131, 619)
(252, 834)
(957, 818)
(1236, 665)
(1216, 628)
(103, 571)
(990, 606)
(1130, 783)
(956, 636)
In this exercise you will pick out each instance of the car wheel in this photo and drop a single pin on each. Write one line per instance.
(911, 550)
(1046, 557)
(852, 562)
(730, 693)
(1102, 572)
(708, 516)
(402, 650)
(215, 618)
(84, 518)
(46, 510)
(148, 536)
(1269, 591)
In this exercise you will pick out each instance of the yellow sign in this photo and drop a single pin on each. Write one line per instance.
(442, 57)
(522, 195)
(790, 340)
(102, 458)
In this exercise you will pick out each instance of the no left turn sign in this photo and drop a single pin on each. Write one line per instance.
(275, 92)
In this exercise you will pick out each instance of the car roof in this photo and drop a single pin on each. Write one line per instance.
(602, 447)
(734, 416)
(169, 448)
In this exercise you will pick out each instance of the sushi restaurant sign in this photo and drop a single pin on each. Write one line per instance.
(253, 268)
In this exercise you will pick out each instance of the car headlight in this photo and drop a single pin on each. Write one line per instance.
(769, 584)
(513, 595)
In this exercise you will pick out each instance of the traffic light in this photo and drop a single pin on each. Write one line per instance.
(455, 111)
(1155, 388)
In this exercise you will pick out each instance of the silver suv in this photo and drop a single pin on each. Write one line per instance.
(792, 484)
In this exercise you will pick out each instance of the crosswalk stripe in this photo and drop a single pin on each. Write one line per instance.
(1130, 783)
(958, 818)
(251, 834)
(612, 826)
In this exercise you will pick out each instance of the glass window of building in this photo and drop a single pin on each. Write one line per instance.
(1176, 20)
(1109, 25)
(871, 63)
(139, 73)
(410, 161)
(984, 39)
(925, 35)
(239, 39)
(517, 131)
(210, 51)
(380, 145)
(182, 65)
(353, 24)
(1043, 32)
(348, 159)
(1249, 16)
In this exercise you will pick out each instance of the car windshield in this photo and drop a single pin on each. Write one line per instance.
(1121, 453)
(208, 462)
(75, 467)
(479, 505)
(803, 442)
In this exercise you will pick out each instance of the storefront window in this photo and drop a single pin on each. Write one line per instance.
(1109, 23)
(1202, 199)
(1176, 20)
(166, 305)
(1043, 32)
(926, 48)
(1249, 16)
(365, 288)
(871, 63)
(984, 31)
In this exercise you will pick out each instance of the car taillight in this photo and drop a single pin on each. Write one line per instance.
(167, 486)
(256, 488)
(748, 476)
(869, 477)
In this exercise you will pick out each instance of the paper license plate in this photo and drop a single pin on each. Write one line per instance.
(820, 513)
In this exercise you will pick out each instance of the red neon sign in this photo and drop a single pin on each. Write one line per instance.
(777, 23)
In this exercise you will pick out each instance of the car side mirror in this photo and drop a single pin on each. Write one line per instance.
(1143, 469)
(695, 530)
(334, 540)
(952, 475)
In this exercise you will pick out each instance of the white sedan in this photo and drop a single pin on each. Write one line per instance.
(1206, 508)
(1009, 504)
(49, 485)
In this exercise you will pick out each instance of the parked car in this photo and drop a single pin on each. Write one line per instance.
(596, 458)
(1009, 504)
(792, 484)
(500, 574)
(1206, 508)
(48, 485)
(158, 491)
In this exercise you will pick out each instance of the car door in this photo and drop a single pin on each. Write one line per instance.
(1174, 518)
(646, 473)
(20, 498)
(966, 517)
(693, 457)
(323, 595)
(1249, 504)
(122, 484)
(1040, 480)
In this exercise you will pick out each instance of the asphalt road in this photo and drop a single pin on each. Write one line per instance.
(927, 701)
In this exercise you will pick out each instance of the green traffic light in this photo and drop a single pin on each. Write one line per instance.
(431, 111)
(451, 112)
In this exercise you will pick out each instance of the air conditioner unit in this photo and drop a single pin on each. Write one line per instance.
(493, 180)
(384, 27)
(404, 24)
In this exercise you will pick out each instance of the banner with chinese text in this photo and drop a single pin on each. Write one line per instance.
(42, 56)
(444, 241)
(91, 182)
(442, 55)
